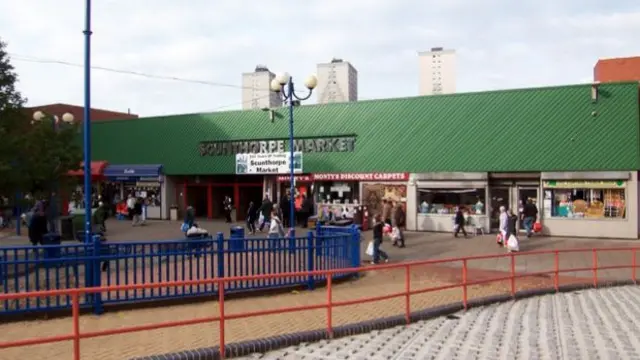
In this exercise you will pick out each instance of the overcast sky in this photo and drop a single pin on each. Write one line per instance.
(500, 44)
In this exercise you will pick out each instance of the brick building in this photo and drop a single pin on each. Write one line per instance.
(618, 69)
(78, 112)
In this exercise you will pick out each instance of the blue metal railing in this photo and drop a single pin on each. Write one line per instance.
(51, 267)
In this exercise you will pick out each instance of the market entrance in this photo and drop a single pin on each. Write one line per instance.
(512, 190)
(197, 197)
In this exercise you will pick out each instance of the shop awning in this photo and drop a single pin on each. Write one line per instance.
(133, 172)
(97, 169)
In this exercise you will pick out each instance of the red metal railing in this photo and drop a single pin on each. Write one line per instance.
(77, 335)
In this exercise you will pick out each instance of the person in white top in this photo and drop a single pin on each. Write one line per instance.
(131, 204)
(504, 225)
(275, 226)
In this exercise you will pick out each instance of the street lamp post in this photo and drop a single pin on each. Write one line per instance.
(283, 84)
(86, 121)
(68, 118)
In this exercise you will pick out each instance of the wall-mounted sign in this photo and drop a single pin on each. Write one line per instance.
(584, 184)
(349, 177)
(298, 178)
(269, 163)
(328, 144)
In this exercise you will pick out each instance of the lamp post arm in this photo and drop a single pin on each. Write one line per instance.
(302, 98)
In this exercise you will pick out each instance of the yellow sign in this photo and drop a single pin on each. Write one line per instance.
(585, 184)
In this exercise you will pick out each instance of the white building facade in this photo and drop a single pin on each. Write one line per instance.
(256, 91)
(437, 71)
(337, 82)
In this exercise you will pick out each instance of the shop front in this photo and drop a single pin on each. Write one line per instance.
(97, 182)
(590, 204)
(345, 195)
(143, 181)
(433, 197)
(357, 195)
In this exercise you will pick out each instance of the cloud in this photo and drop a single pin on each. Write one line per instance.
(500, 44)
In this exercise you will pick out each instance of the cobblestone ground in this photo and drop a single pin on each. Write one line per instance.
(197, 336)
(591, 324)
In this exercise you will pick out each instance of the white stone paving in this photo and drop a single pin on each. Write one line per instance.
(599, 324)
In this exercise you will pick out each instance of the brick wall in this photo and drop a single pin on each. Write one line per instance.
(620, 69)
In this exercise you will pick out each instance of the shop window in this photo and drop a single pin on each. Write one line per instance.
(444, 201)
(341, 192)
(148, 191)
(585, 203)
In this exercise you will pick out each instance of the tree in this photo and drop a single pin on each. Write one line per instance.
(34, 156)
(11, 125)
(51, 150)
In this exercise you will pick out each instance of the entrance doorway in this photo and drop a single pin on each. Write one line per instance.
(217, 198)
(500, 196)
(526, 193)
(197, 197)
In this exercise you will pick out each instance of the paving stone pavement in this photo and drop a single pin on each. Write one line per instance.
(419, 246)
(590, 324)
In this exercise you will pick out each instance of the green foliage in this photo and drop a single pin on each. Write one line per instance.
(34, 156)
(49, 154)
(11, 124)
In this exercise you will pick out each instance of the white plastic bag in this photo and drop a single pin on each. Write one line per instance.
(512, 243)
(370, 249)
(261, 219)
(395, 234)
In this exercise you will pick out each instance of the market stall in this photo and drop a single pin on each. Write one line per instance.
(144, 181)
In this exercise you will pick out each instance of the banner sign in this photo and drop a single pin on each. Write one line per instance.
(584, 184)
(362, 177)
(268, 163)
(349, 177)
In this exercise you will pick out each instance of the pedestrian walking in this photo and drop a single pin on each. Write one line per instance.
(459, 222)
(251, 218)
(378, 234)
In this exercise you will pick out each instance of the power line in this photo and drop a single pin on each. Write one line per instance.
(32, 59)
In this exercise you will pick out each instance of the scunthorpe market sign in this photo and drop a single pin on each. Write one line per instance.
(311, 145)
(268, 163)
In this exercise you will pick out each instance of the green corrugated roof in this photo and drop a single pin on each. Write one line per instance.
(543, 129)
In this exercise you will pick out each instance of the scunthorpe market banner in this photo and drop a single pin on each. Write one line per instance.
(268, 163)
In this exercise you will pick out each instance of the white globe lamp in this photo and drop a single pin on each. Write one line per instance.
(68, 118)
(283, 78)
(38, 115)
(311, 82)
(275, 85)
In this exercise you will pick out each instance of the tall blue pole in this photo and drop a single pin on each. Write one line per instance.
(53, 205)
(87, 122)
(292, 204)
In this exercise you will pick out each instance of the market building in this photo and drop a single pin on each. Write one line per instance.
(573, 150)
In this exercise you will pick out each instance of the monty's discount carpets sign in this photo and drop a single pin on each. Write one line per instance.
(268, 163)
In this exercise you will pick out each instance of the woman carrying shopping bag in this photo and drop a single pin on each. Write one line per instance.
(378, 233)
(504, 227)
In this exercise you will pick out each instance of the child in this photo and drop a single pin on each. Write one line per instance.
(378, 230)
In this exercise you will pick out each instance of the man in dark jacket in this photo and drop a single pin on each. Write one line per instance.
(265, 210)
(285, 206)
(305, 211)
(529, 216)
(459, 222)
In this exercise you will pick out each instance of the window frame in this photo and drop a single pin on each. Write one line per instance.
(474, 193)
(551, 203)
